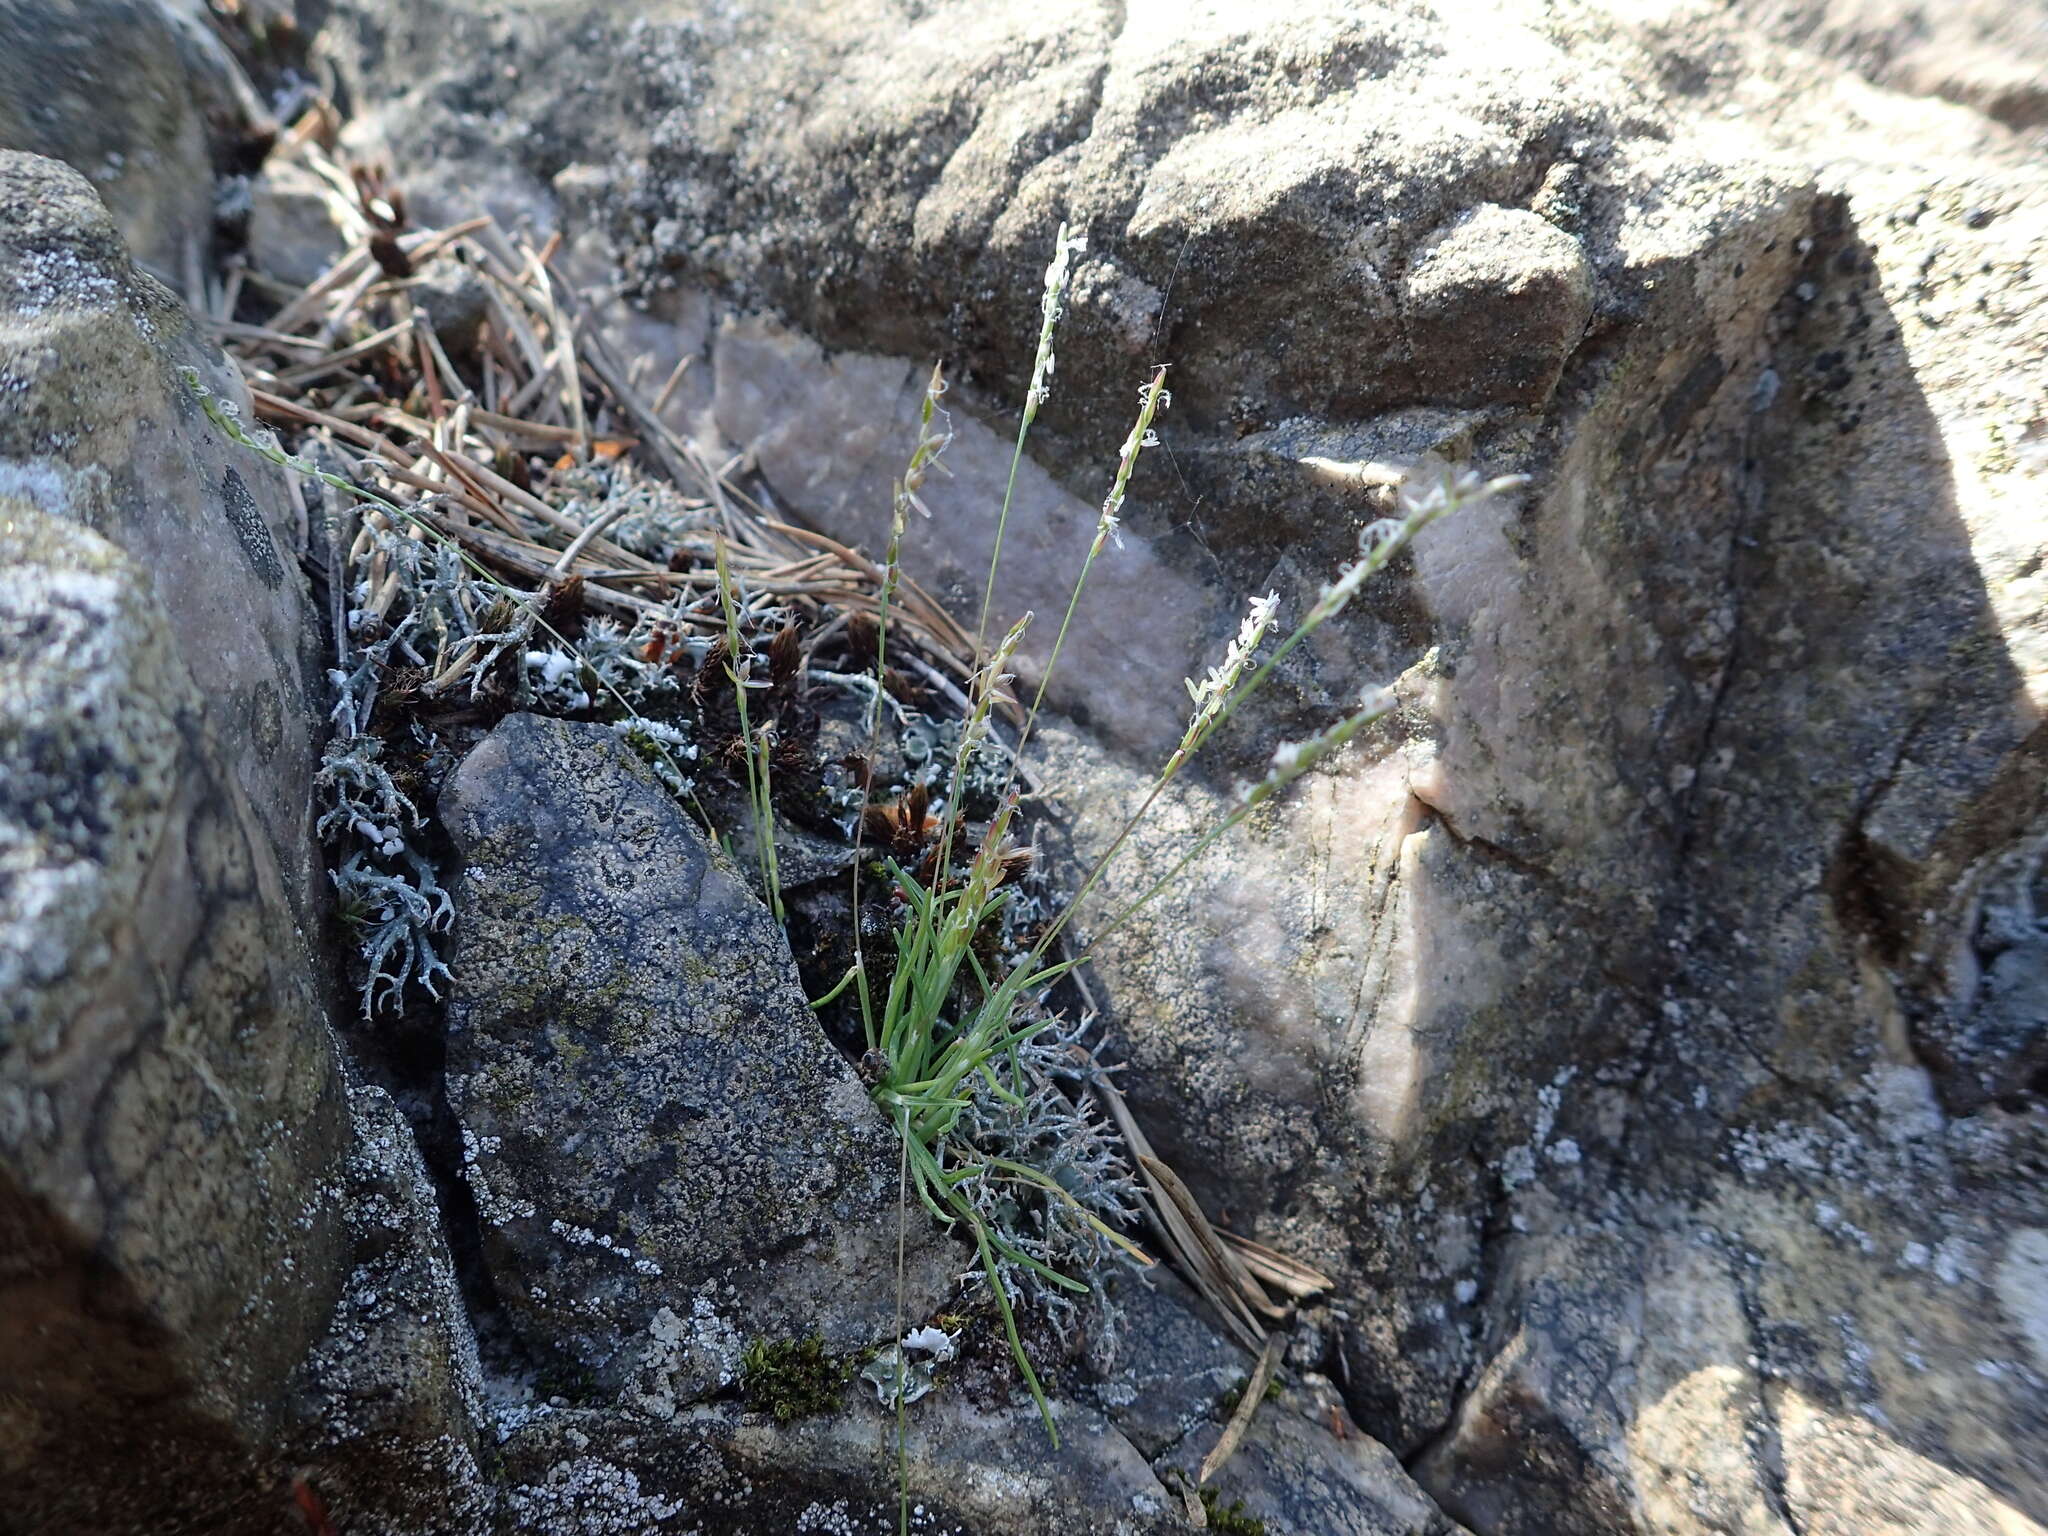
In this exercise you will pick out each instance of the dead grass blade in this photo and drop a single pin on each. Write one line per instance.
(1247, 1405)
(1216, 1255)
(1290, 1276)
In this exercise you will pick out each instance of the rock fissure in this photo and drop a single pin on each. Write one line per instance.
(1770, 1448)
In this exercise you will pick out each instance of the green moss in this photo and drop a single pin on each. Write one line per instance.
(793, 1378)
(1228, 1402)
(1230, 1520)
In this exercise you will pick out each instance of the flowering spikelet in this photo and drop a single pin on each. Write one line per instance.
(1152, 399)
(1209, 694)
(1380, 541)
(989, 683)
(1050, 308)
(934, 433)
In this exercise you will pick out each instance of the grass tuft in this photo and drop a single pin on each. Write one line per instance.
(984, 1082)
(962, 1047)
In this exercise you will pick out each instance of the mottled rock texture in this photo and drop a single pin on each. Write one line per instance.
(171, 1104)
(100, 429)
(1171, 1372)
(721, 1471)
(387, 1419)
(169, 1100)
(972, 1468)
(651, 1116)
(1304, 1469)
(1977, 53)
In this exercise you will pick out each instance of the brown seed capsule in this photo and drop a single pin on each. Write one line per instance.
(710, 672)
(498, 617)
(785, 656)
(862, 634)
(562, 610)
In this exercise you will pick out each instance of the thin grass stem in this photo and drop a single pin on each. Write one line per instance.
(761, 808)
(1151, 399)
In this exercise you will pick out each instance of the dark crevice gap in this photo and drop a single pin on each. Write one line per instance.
(406, 1056)
(1768, 1447)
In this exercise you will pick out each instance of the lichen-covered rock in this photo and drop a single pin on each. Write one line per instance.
(1823, 1342)
(100, 428)
(387, 1413)
(172, 1125)
(1641, 1026)
(1704, 855)
(170, 1103)
(725, 1472)
(1304, 1469)
(663, 1145)
(1171, 1370)
(144, 99)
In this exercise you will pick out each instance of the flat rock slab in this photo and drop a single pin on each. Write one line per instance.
(653, 1121)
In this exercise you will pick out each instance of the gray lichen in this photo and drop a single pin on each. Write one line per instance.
(420, 621)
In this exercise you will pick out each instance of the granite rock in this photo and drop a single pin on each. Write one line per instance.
(1703, 853)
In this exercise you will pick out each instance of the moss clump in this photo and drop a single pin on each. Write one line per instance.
(1230, 1520)
(793, 1378)
(1228, 1402)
